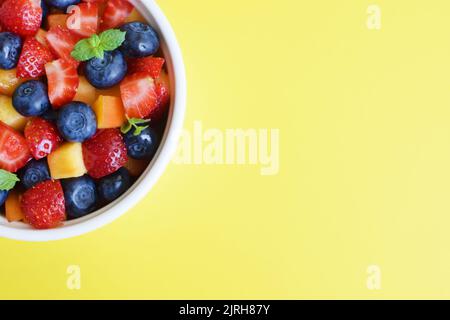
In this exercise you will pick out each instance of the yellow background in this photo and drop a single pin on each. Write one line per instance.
(364, 118)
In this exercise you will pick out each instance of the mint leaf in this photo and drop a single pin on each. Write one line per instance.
(94, 41)
(126, 127)
(139, 130)
(84, 51)
(96, 45)
(135, 123)
(7, 180)
(111, 39)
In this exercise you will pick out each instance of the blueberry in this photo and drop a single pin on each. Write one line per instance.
(62, 4)
(141, 40)
(107, 72)
(10, 48)
(113, 186)
(34, 172)
(80, 196)
(31, 99)
(44, 10)
(50, 115)
(76, 122)
(142, 146)
(3, 196)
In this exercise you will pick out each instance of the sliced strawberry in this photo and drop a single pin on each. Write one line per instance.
(116, 12)
(42, 137)
(84, 19)
(104, 153)
(23, 17)
(63, 82)
(163, 97)
(43, 205)
(33, 58)
(62, 42)
(14, 152)
(138, 92)
(150, 65)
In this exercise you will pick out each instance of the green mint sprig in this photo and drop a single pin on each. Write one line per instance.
(96, 45)
(137, 124)
(7, 180)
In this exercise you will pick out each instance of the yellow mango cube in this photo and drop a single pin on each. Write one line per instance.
(135, 16)
(13, 210)
(86, 92)
(9, 81)
(110, 112)
(9, 115)
(67, 161)
(114, 92)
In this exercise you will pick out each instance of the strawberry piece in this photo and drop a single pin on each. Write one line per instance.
(43, 205)
(14, 152)
(42, 137)
(104, 153)
(33, 58)
(63, 82)
(23, 17)
(116, 12)
(62, 42)
(138, 92)
(163, 97)
(84, 19)
(151, 65)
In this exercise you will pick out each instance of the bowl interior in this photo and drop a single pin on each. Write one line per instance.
(143, 184)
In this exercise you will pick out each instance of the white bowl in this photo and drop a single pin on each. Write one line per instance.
(21, 231)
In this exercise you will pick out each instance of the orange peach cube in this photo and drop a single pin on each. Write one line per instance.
(85, 92)
(110, 112)
(13, 209)
(67, 161)
(9, 81)
(9, 115)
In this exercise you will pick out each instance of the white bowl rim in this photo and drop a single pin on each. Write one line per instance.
(104, 216)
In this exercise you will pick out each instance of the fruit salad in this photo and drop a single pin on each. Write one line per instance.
(84, 98)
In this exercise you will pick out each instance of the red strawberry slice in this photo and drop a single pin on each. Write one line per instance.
(116, 12)
(63, 82)
(163, 94)
(104, 153)
(14, 152)
(62, 42)
(150, 65)
(44, 206)
(84, 19)
(139, 95)
(42, 137)
(23, 17)
(33, 58)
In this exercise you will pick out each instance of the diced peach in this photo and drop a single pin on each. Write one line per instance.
(9, 115)
(40, 36)
(86, 92)
(135, 16)
(109, 111)
(57, 19)
(67, 161)
(13, 210)
(9, 81)
(136, 167)
(114, 91)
